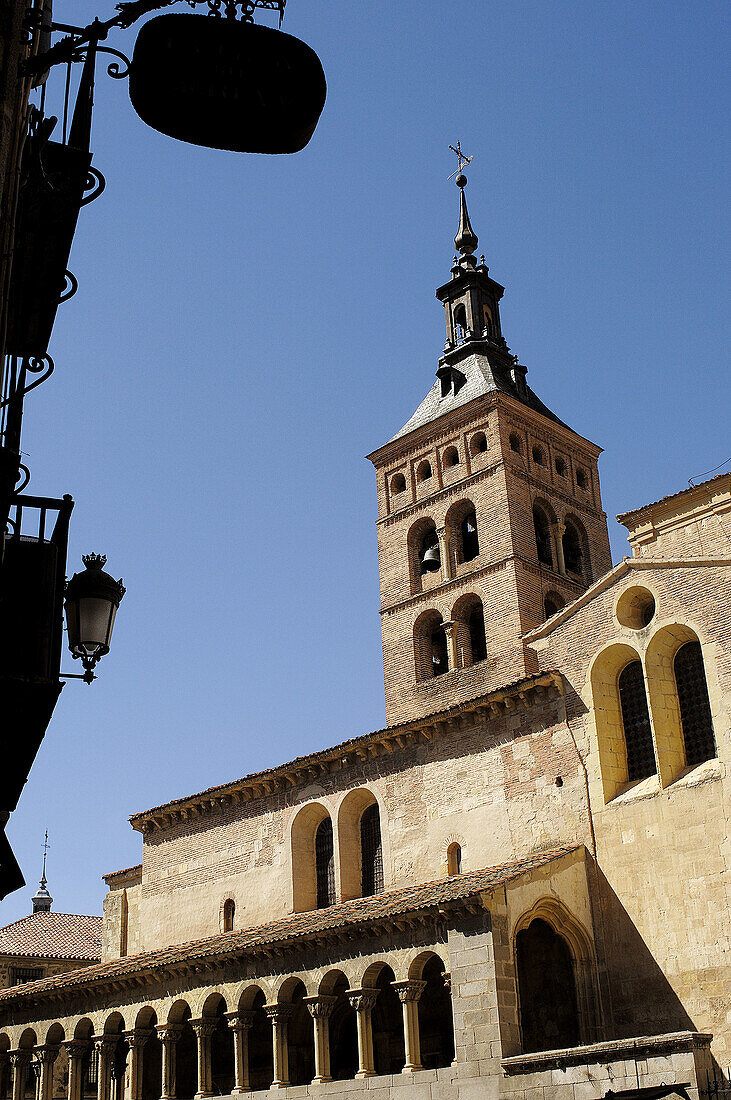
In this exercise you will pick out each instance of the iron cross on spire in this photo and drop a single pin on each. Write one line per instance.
(46, 846)
(462, 160)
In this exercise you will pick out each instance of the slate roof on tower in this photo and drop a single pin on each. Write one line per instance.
(481, 379)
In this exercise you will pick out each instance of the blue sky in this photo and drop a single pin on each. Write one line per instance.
(247, 328)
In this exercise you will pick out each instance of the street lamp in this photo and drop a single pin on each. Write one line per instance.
(92, 599)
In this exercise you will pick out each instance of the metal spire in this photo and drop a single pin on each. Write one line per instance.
(42, 900)
(466, 240)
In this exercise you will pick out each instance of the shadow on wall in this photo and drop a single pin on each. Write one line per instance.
(643, 1000)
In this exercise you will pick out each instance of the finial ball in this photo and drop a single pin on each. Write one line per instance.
(461, 180)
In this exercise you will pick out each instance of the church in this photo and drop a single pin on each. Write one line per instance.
(519, 888)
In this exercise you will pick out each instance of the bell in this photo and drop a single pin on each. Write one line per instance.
(431, 560)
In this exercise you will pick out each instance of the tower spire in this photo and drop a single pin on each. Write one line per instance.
(42, 900)
(466, 240)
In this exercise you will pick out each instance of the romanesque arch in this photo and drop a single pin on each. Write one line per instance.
(360, 837)
(313, 858)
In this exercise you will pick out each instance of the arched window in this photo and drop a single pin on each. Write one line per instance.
(539, 456)
(439, 654)
(470, 538)
(423, 470)
(371, 852)
(429, 559)
(636, 722)
(430, 646)
(436, 1029)
(451, 457)
(398, 484)
(573, 556)
(515, 444)
(460, 322)
(476, 627)
(552, 603)
(560, 465)
(325, 864)
(454, 859)
(542, 529)
(549, 1014)
(582, 478)
(478, 443)
(695, 706)
(229, 910)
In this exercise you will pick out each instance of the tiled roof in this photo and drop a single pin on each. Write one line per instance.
(53, 936)
(671, 496)
(356, 745)
(125, 872)
(298, 928)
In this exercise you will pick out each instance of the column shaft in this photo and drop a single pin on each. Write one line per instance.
(409, 993)
(203, 1029)
(279, 1015)
(169, 1036)
(241, 1024)
(320, 1008)
(363, 1001)
(75, 1050)
(19, 1060)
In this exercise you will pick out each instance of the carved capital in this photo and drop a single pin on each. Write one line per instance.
(19, 1058)
(320, 1007)
(47, 1055)
(240, 1021)
(204, 1026)
(278, 1013)
(447, 981)
(169, 1033)
(410, 990)
(104, 1044)
(75, 1048)
(138, 1037)
(362, 1000)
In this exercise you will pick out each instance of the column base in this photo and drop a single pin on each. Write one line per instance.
(365, 1073)
(279, 1085)
(237, 1090)
(320, 1080)
(411, 1069)
(203, 1095)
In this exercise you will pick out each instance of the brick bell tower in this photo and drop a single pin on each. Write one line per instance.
(489, 512)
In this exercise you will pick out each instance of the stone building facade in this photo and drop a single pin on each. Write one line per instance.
(519, 887)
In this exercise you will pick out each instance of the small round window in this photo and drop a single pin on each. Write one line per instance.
(636, 607)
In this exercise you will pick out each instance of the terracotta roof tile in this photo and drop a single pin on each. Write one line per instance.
(622, 516)
(301, 762)
(301, 926)
(53, 936)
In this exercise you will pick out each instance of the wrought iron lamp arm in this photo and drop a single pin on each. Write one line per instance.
(129, 11)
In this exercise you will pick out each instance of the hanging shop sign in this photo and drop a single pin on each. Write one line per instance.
(226, 84)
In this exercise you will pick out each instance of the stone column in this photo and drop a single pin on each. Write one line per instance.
(445, 553)
(104, 1046)
(75, 1049)
(450, 629)
(558, 530)
(279, 1015)
(320, 1009)
(409, 993)
(19, 1060)
(204, 1028)
(47, 1057)
(363, 1001)
(169, 1035)
(136, 1040)
(241, 1024)
(118, 1069)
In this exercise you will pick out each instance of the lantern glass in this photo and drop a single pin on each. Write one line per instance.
(95, 622)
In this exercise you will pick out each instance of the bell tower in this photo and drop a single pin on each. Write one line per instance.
(489, 511)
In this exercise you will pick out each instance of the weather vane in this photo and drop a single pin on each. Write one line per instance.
(46, 846)
(462, 160)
